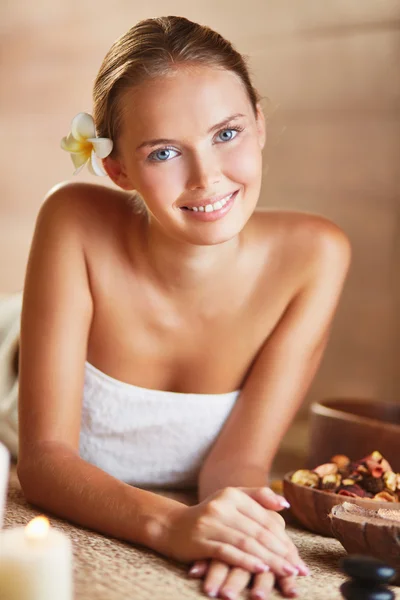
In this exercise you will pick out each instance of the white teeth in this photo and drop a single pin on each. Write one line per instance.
(211, 207)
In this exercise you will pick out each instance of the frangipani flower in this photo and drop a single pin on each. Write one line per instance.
(84, 146)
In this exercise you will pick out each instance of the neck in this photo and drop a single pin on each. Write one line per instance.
(180, 265)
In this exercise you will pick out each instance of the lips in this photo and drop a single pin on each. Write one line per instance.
(212, 212)
(208, 201)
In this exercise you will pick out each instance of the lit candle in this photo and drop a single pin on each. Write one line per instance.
(4, 476)
(35, 563)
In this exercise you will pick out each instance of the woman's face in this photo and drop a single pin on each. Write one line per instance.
(189, 140)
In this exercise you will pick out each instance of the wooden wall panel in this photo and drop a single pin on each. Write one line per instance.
(331, 72)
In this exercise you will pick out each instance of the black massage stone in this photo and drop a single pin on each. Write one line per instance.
(366, 568)
(357, 590)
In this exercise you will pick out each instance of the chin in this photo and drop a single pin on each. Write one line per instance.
(211, 234)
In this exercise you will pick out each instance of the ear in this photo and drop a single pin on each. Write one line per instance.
(116, 172)
(261, 127)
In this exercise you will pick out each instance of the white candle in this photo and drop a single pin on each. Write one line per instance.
(4, 476)
(35, 563)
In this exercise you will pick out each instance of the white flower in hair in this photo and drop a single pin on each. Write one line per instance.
(84, 146)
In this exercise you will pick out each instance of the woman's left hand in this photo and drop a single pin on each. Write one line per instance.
(223, 581)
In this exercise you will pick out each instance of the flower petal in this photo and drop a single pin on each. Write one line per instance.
(70, 144)
(79, 169)
(95, 166)
(82, 126)
(79, 159)
(102, 146)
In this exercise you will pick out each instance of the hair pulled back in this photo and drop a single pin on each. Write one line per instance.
(152, 48)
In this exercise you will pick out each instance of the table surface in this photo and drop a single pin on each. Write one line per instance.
(110, 569)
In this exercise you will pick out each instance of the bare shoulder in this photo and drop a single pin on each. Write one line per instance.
(83, 204)
(305, 237)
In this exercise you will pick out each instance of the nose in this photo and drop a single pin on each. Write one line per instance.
(204, 171)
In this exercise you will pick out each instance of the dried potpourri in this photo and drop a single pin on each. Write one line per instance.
(371, 477)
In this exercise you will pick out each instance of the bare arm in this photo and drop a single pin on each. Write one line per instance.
(55, 324)
(282, 373)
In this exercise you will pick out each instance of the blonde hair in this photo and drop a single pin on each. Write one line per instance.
(152, 48)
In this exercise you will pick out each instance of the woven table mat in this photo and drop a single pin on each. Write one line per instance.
(109, 569)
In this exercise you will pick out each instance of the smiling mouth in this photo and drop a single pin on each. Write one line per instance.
(210, 207)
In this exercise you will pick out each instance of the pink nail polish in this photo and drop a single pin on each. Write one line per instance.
(283, 502)
(263, 568)
(289, 570)
(303, 570)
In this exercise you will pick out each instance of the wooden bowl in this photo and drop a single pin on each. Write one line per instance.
(371, 532)
(312, 507)
(354, 427)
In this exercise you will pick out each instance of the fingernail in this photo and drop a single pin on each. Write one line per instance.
(194, 571)
(228, 594)
(303, 569)
(290, 570)
(258, 595)
(283, 502)
(263, 568)
(212, 593)
(292, 592)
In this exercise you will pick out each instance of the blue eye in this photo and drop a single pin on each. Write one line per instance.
(161, 155)
(230, 131)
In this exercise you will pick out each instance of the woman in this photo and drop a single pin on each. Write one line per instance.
(170, 329)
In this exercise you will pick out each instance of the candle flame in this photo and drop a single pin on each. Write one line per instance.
(37, 529)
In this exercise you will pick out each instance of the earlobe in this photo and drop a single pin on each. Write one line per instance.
(116, 173)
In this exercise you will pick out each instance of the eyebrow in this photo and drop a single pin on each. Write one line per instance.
(152, 143)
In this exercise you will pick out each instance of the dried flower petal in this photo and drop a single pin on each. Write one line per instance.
(326, 469)
(331, 482)
(305, 477)
(385, 497)
(353, 491)
(341, 461)
(348, 481)
(390, 480)
(375, 455)
(374, 468)
(374, 485)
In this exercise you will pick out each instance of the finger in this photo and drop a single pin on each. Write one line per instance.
(271, 524)
(236, 581)
(297, 562)
(262, 586)
(261, 534)
(266, 497)
(287, 585)
(253, 509)
(227, 538)
(215, 578)
(221, 550)
(282, 546)
(199, 568)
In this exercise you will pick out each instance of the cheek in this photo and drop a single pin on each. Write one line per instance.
(160, 177)
(245, 162)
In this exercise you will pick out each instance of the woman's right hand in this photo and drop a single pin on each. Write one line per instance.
(238, 526)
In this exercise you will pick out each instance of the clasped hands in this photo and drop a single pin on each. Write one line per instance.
(236, 537)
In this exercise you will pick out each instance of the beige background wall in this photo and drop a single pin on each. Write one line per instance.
(331, 70)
